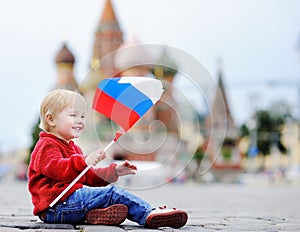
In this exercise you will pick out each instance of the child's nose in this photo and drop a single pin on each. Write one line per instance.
(80, 120)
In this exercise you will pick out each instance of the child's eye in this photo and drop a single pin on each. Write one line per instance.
(83, 116)
(73, 115)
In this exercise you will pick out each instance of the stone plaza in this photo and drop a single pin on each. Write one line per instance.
(211, 207)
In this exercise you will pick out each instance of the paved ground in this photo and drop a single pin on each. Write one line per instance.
(215, 207)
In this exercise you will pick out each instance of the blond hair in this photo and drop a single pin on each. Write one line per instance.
(55, 102)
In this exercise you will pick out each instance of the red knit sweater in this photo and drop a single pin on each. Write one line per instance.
(54, 165)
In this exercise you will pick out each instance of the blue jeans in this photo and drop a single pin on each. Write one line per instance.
(75, 207)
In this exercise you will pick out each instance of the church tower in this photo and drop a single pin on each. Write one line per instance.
(220, 110)
(108, 38)
(222, 137)
(164, 109)
(65, 69)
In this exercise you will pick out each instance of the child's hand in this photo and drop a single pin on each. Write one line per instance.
(95, 157)
(125, 168)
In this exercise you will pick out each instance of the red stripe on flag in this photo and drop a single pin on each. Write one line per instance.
(118, 134)
(114, 110)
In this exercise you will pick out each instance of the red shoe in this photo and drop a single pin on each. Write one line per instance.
(163, 217)
(112, 215)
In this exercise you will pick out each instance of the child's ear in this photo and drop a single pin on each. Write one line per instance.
(50, 120)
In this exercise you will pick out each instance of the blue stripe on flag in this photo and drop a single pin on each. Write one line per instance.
(126, 94)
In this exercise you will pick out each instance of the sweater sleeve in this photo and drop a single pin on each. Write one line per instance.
(101, 176)
(51, 163)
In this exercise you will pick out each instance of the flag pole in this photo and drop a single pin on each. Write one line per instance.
(78, 177)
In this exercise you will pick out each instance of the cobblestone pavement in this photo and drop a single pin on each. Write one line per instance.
(215, 207)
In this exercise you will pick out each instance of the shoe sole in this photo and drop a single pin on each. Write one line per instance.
(112, 215)
(174, 219)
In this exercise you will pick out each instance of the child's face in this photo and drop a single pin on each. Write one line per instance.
(69, 123)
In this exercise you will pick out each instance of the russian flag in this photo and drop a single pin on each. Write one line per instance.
(125, 100)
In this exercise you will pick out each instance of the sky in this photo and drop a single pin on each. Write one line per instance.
(257, 40)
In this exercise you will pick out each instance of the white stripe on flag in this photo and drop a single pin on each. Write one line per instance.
(151, 87)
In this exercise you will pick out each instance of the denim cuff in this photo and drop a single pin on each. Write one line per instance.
(146, 214)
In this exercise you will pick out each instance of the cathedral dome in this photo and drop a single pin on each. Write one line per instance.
(64, 55)
(166, 66)
(131, 54)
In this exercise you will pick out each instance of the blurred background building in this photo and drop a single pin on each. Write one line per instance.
(225, 156)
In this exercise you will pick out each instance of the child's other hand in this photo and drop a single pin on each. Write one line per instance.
(95, 157)
(125, 168)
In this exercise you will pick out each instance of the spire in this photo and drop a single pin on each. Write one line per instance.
(222, 134)
(108, 38)
(222, 88)
(108, 20)
(220, 108)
